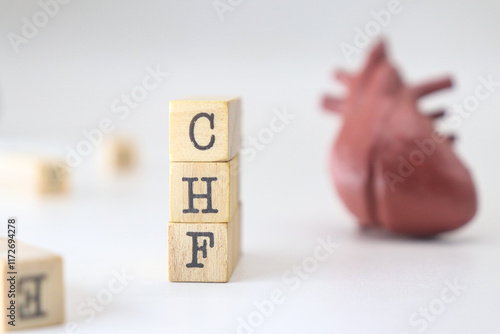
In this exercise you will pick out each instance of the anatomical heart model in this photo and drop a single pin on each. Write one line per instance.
(389, 165)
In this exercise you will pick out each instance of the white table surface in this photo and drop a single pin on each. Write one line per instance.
(276, 54)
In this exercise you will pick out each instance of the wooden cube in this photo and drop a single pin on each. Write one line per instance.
(204, 129)
(38, 282)
(203, 252)
(117, 154)
(202, 192)
(26, 174)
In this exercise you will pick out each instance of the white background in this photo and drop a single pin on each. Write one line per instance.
(276, 55)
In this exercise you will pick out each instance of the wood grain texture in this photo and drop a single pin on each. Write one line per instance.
(221, 256)
(25, 174)
(39, 287)
(226, 130)
(224, 190)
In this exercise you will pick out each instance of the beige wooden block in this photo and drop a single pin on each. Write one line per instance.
(117, 154)
(39, 291)
(203, 191)
(203, 252)
(26, 174)
(204, 129)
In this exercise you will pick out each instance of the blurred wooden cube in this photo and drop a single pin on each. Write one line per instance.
(22, 173)
(37, 279)
(118, 154)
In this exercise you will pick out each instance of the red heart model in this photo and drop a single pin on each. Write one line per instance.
(389, 165)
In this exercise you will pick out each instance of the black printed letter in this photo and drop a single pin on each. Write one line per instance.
(207, 196)
(191, 131)
(32, 305)
(203, 248)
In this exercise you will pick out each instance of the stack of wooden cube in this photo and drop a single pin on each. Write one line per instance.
(204, 227)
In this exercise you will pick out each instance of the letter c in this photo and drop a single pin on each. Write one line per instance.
(191, 131)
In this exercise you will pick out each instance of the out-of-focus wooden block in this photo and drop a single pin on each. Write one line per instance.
(203, 191)
(31, 174)
(203, 252)
(39, 290)
(117, 154)
(204, 129)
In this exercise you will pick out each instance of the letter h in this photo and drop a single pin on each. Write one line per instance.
(207, 196)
